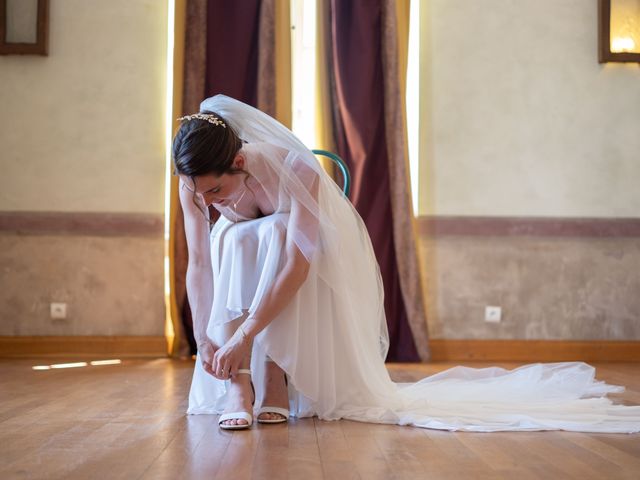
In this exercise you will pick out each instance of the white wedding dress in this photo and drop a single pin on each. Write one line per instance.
(332, 339)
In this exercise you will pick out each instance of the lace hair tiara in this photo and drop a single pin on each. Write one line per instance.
(212, 119)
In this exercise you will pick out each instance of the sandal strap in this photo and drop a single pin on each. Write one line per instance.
(235, 416)
(282, 411)
(244, 370)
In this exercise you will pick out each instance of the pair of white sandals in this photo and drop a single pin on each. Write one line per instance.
(248, 417)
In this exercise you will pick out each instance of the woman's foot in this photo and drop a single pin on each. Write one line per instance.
(276, 393)
(240, 398)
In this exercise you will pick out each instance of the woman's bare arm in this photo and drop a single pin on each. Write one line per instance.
(199, 272)
(285, 286)
(287, 282)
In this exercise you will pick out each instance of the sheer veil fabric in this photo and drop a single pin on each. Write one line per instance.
(332, 338)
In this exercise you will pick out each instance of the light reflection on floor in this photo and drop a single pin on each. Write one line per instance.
(116, 361)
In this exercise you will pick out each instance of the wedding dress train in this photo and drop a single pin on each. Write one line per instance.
(333, 375)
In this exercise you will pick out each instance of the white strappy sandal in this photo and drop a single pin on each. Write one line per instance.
(238, 415)
(280, 411)
(266, 409)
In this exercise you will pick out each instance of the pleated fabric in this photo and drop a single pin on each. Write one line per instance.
(336, 370)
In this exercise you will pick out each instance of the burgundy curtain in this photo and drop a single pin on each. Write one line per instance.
(359, 123)
(232, 49)
(222, 55)
(225, 49)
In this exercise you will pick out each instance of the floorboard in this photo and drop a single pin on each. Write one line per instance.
(127, 421)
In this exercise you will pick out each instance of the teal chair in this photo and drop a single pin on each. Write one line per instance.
(346, 176)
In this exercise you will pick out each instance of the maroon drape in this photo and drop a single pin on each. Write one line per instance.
(232, 49)
(356, 31)
(231, 61)
(229, 64)
(221, 56)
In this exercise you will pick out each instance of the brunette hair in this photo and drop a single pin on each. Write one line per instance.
(201, 147)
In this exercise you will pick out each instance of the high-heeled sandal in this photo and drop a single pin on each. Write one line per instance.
(238, 415)
(280, 411)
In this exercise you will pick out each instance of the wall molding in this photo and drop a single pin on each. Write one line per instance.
(76, 346)
(82, 223)
(152, 224)
(445, 350)
(442, 350)
(443, 225)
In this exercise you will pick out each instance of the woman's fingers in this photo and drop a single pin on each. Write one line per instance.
(206, 362)
(228, 370)
(219, 362)
(207, 351)
(230, 367)
(208, 369)
(224, 364)
(215, 365)
(216, 362)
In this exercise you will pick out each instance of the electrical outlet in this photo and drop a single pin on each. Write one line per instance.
(58, 310)
(492, 314)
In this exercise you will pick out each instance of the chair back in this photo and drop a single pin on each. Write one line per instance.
(344, 170)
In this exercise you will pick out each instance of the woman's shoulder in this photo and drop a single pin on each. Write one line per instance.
(263, 148)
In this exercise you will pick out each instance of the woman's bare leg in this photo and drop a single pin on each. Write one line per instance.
(239, 393)
(276, 393)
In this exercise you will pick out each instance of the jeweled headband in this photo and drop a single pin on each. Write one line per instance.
(205, 116)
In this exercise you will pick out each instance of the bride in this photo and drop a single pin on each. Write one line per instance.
(287, 302)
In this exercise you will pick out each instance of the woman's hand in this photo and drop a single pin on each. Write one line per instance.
(227, 359)
(206, 350)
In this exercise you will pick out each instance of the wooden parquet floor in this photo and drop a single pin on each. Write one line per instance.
(127, 421)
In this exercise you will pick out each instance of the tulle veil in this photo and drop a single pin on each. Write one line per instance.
(332, 339)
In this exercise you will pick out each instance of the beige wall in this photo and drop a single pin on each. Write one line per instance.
(519, 119)
(83, 129)
(111, 285)
(529, 126)
(549, 288)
